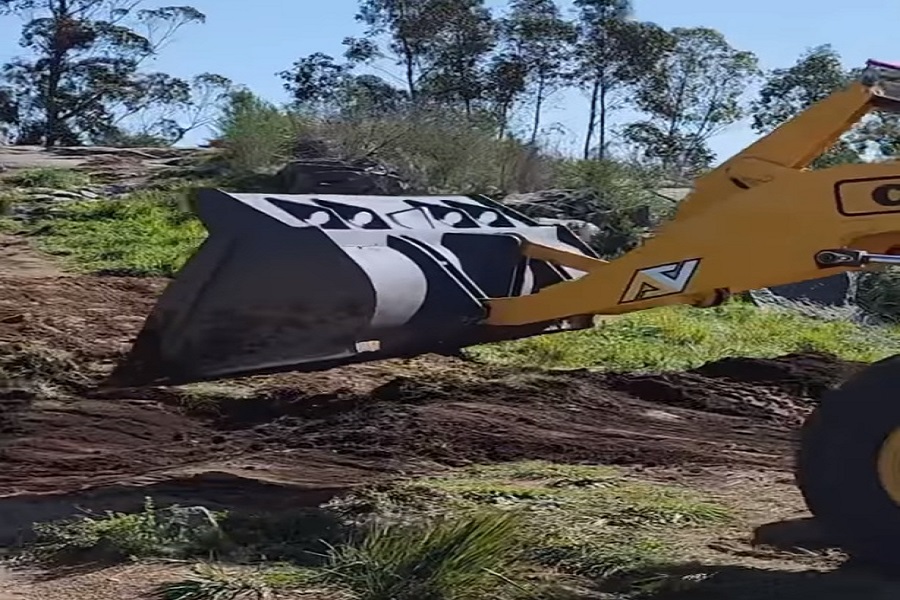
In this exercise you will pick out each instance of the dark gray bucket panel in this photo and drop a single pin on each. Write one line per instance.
(312, 282)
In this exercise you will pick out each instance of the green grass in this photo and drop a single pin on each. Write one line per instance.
(59, 179)
(583, 520)
(504, 531)
(148, 234)
(682, 337)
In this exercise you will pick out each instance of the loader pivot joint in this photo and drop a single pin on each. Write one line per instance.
(840, 258)
(853, 258)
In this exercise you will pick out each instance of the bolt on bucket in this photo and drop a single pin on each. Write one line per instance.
(304, 283)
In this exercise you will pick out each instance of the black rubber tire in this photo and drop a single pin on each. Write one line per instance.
(837, 466)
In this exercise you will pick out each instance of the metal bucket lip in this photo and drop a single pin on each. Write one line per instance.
(481, 199)
(209, 204)
(208, 200)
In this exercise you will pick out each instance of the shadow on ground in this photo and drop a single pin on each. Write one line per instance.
(791, 535)
(793, 545)
(214, 490)
(300, 537)
(707, 582)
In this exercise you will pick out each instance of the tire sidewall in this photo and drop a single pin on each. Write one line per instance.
(837, 465)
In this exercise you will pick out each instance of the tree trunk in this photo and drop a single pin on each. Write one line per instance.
(411, 78)
(504, 117)
(602, 108)
(538, 108)
(592, 119)
(56, 62)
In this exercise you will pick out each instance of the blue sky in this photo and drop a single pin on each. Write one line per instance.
(250, 46)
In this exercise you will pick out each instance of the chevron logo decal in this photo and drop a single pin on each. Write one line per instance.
(661, 280)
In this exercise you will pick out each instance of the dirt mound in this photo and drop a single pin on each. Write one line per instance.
(713, 415)
(562, 418)
(779, 390)
(92, 319)
(64, 445)
(721, 397)
(801, 374)
(59, 436)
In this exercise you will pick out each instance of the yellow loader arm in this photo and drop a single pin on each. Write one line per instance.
(756, 221)
(303, 282)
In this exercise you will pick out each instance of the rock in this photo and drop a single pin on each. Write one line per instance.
(833, 297)
(585, 231)
(53, 192)
(312, 148)
(119, 189)
(836, 290)
(179, 161)
(38, 202)
(549, 204)
(607, 228)
(188, 522)
(42, 198)
(333, 176)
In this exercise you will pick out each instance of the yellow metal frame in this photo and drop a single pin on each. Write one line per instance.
(756, 221)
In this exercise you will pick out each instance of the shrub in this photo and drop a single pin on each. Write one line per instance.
(441, 151)
(624, 203)
(879, 294)
(256, 134)
(119, 536)
(617, 184)
(437, 150)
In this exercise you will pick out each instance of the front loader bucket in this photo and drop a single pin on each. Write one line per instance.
(290, 282)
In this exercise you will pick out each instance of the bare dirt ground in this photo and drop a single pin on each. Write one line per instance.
(298, 439)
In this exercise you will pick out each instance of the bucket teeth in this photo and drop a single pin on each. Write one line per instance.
(289, 282)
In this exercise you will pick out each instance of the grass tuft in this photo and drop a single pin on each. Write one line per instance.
(8, 201)
(214, 582)
(455, 558)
